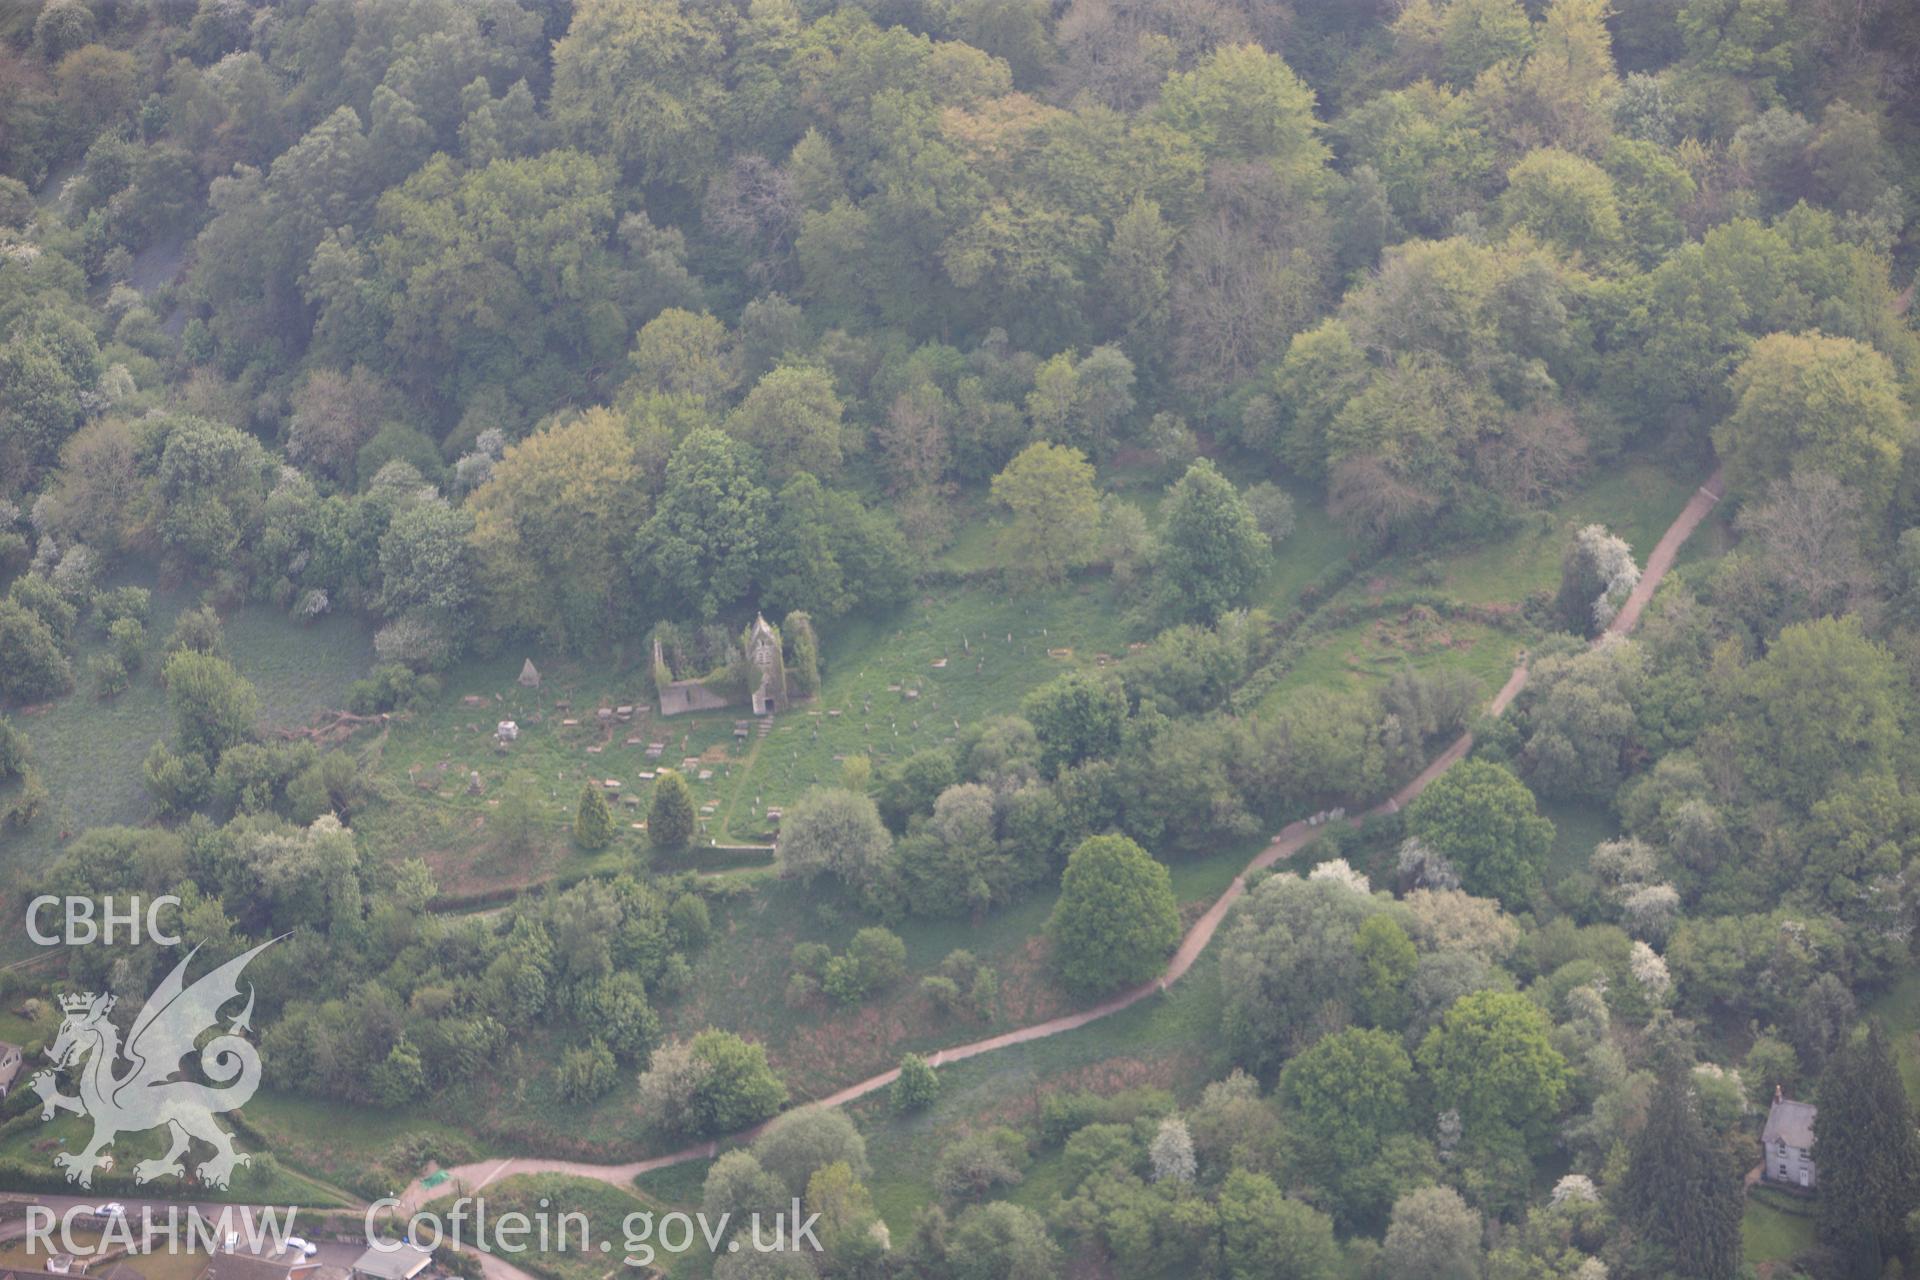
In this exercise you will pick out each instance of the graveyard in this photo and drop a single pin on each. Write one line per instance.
(890, 686)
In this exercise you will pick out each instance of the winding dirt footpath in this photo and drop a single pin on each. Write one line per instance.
(1290, 840)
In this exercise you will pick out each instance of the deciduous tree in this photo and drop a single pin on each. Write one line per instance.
(1211, 550)
(792, 416)
(1116, 919)
(1483, 820)
(1049, 490)
(1827, 404)
(1433, 1236)
(837, 831)
(1491, 1059)
(708, 533)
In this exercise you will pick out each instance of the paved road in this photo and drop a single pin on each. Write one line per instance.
(1289, 841)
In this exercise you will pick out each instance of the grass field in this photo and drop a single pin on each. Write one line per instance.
(965, 651)
(1577, 828)
(1367, 654)
(334, 1142)
(1170, 1041)
(1776, 1227)
(588, 1242)
(1637, 501)
(266, 1181)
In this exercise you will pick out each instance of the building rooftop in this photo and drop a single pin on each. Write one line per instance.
(402, 1262)
(251, 1266)
(1790, 1122)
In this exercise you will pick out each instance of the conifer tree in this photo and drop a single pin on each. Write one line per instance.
(1679, 1192)
(593, 822)
(1868, 1154)
(670, 819)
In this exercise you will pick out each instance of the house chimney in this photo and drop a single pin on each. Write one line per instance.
(1778, 1094)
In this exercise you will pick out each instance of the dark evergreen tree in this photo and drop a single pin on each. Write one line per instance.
(670, 818)
(593, 823)
(1680, 1193)
(1868, 1155)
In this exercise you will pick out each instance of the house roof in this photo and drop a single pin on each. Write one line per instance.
(1791, 1123)
(251, 1266)
(402, 1263)
(10, 1064)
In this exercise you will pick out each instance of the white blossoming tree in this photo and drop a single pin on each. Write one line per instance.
(1337, 870)
(1172, 1152)
(1650, 971)
(1596, 577)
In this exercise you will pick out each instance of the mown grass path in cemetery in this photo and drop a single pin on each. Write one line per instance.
(1289, 841)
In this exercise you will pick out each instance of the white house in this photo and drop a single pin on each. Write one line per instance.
(1786, 1145)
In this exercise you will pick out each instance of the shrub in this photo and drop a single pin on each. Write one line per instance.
(128, 636)
(689, 923)
(875, 958)
(13, 750)
(177, 783)
(108, 673)
(198, 630)
(586, 1072)
(31, 664)
(916, 1086)
(121, 603)
(391, 687)
(738, 1088)
(811, 958)
(943, 992)
(984, 994)
(979, 1162)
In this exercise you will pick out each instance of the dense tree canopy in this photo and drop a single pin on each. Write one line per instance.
(1152, 425)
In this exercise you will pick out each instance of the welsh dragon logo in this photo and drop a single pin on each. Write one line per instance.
(147, 1095)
